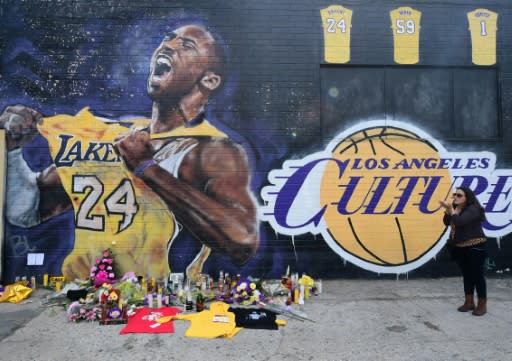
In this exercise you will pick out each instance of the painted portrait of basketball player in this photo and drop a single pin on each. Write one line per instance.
(167, 193)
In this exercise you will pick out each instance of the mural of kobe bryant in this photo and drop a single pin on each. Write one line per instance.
(172, 192)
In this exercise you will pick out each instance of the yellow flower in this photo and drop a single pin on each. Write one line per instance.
(253, 286)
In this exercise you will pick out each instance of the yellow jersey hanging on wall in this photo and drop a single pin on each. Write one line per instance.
(483, 25)
(336, 23)
(405, 22)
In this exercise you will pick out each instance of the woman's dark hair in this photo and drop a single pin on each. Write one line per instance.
(471, 199)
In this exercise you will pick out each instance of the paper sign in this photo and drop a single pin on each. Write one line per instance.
(35, 259)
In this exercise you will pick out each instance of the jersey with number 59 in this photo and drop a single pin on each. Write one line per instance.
(113, 208)
(405, 22)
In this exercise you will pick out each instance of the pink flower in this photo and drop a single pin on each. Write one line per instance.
(92, 275)
(109, 260)
(91, 315)
(98, 260)
(101, 267)
(101, 278)
(111, 275)
(93, 269)
(106, 253)
(109, 268)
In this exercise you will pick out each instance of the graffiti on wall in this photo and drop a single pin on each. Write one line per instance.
(374, 192)
(154, 163)
(133, 186)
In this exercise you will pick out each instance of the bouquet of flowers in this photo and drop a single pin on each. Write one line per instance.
(246, 292)
(79, 312)
(103, 269)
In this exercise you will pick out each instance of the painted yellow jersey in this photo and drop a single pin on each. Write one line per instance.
(483, 25)
(336, 23)
(113, 208)
(405, 23)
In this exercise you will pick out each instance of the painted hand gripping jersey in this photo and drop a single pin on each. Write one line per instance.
(113, 208)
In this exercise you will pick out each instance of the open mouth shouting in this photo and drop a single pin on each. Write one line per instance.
(161, 69)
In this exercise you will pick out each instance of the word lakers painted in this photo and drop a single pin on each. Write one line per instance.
(72, 150)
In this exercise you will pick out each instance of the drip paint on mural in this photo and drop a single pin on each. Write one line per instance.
(271, 190)
(374, 193)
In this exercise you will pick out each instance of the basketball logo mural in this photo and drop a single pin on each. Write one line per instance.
(374, 193)
(377, 219)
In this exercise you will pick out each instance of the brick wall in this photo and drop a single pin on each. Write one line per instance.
(61, 56)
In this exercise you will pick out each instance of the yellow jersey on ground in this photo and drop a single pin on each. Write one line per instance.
(213, 323)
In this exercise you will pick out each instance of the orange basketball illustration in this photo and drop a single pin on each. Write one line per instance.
(383, 195)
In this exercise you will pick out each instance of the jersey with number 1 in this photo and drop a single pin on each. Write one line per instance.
(483, 28)
(405, 22)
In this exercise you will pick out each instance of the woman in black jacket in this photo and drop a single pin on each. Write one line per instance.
(467, 239)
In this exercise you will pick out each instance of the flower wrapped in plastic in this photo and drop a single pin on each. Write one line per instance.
(78, 312)
(102, 271)
(131, 291)
(245, 292)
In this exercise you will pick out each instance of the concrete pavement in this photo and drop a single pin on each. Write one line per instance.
(355, 320)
